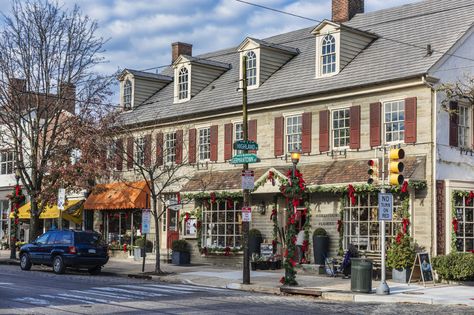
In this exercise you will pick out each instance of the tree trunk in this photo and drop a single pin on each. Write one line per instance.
(157, 234)
(34, 220)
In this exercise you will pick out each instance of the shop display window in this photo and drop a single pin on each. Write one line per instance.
(465, 218)
(221, 225)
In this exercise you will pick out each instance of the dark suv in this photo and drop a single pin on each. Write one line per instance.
(66, 248)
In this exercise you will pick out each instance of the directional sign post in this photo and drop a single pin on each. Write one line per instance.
(246, 145)
(385, 207)
(248, 179)
(244, 158)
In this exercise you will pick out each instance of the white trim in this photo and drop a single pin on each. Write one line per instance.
(331, 133)
(383, 122)
(292, 114)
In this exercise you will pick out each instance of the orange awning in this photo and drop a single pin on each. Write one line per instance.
(118, 196)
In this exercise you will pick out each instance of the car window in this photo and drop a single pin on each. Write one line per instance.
(64, 238)
(88, 238)
(41, 240)
(51, 238)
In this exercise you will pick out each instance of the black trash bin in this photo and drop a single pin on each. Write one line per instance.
(361, 275)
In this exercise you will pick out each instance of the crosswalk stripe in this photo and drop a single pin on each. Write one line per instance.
(54, 297)
(110, 295)
(167, 290)
(82, 297)
(134, 292)
(187, 288)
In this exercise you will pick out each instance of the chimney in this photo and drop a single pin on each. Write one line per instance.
(67, 92)
(344, 10)
(179, 48)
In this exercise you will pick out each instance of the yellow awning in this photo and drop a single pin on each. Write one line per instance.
(72, 211)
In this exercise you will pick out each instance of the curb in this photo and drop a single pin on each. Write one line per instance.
(10, 262)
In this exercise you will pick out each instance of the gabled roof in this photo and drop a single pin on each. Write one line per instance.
(205, 62)
(439, 23)
(262, 43)
(147, 75)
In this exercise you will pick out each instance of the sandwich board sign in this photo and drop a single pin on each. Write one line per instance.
(422, 265)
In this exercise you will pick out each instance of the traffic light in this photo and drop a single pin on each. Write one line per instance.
(395, 167)
(373, 171)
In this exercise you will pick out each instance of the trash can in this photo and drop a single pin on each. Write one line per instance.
(361, 275)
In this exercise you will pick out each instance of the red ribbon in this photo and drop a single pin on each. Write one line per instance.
(17, 190)
(227, 251)
(399, 238)
(229, 203)
(296, 203)
(292, 262)
(213, 197)
(274, 214)
(404, 188)
(271, 178)
(455, 225)
(406, 223)
(469, 198)
(178, 198)
(339, 225)
(186, 217)
(351, 192)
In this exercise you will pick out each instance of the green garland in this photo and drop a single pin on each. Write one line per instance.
(307, 227)
(457, 197)
(264, 180)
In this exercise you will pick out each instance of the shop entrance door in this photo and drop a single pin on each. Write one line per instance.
(172, 228)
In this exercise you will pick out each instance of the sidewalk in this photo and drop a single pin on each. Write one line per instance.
(309, 284)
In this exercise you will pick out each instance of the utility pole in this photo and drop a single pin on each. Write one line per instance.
(246, 192)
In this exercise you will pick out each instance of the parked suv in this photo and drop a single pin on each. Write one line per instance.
(66, 248)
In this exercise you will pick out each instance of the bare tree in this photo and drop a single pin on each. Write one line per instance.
(52, 102)
(158, 160)
(459, 91)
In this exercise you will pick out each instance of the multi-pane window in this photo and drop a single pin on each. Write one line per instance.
(4, 212)
(238, 134)
(140, 151)
(361, 224)
(127, 94)
(463, 127)
(170, 147)
(465, 232)
(251, 68)
(183, 84)
(340, 128)
(221, 225)
(7, 161)
(328, 54)
(293, 129)
(394, 113)
(204, 144)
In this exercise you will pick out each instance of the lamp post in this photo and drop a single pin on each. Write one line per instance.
(15, 206)
(295, 158)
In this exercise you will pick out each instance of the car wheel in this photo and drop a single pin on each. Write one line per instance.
(58, 265)
(25, 262)
(95, 271)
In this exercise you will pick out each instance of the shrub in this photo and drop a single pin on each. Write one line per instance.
(455, 266)
(401, 253)
(320, 232)
(255, 233)
(140, 242)
(180, 246)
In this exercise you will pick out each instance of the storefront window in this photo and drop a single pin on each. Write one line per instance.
(222, 225)
(465, 218)
(361, 225)
(4, 212)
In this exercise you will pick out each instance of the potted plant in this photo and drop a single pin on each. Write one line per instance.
(400, 257)
(180, 254)
(255, 239)
(275, 262)
(320, 246)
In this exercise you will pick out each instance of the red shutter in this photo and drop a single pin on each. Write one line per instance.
(252, 132)
(354, 126)
(324, 131)
(119, 155)
(375, 124)
(228, 146)
(453, 124)
(130, 157)
(179, 147)
(278, 138)
(306, 133)
(192, 146)
(410, 120)
(159, 148)
(147, 152)
(214, 142)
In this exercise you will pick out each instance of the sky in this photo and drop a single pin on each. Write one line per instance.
(140, 32)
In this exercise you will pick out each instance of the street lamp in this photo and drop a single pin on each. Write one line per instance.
(295, 158)
(15, 205)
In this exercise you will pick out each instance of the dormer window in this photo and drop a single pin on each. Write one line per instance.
(328, 55)
(251, 68)
(127, 94)
(183, 84)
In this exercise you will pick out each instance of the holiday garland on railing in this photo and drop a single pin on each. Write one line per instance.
(458, 196)
(307, 231)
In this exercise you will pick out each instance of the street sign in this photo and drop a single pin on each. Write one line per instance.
(385, 207)
(244, 158)
(61, 198)
(245, 145)
(248, 179)
(146, 219)
(246, 214)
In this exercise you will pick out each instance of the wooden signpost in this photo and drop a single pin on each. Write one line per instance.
(425, 271)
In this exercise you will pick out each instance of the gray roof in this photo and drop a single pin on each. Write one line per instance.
(149, 75)
(288, 49)
(208, 62)
(439, 23)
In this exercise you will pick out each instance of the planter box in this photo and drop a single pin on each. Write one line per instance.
(180, 258)
(401, 276)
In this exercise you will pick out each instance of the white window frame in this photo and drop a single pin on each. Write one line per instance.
(328, 50)
(221, 226)
(4, 218)
(170, 147)
(397, 122)
(465, 217)
(333, 129)
(127, 94)
(251, 68)
(7, 162)
(140, 151)
(204, 143)
(237, 132)
(183, 86)
(464, 126)
(288, 135)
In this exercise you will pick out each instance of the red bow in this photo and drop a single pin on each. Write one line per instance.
(455, 225)
(178, 198)
(406, 223)
(399, 238)
(17, 190)
(186, 217)
(296, 203)
(339, 225)
(274, 214)
(305, 245)
(229, 203)
(213, 197)
(469, 198)
(271, 177)
(404, 188)
(227, 251)
(351, 192)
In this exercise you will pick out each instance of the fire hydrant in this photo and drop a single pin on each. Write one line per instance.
(124, 248)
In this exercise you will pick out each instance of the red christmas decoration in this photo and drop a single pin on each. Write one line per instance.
(406, 223)
(339, 225)
(230, 204)
(399, 238)
(351, 192)
(469, 198)
(296, 203)
(455, 225)
(305, 245)
(282, 280)
(213, 197)
(285, 254)
(124, 248)
(271, 178)
(227, 251)
(186, 217)
(274, 214)
(404, 188)
(178, 198)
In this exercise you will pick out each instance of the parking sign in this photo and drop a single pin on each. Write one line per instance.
(385, 207)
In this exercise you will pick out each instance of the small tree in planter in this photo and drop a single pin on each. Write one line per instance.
(320, 246)
(400, 257)
(180, 255)
(255, 239)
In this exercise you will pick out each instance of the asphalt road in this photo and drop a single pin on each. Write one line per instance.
(42, 292)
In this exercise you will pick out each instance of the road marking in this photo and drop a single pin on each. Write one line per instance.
(134, 292)
(81, 297)
(110, 295)
(31, 300)
(147, 288)
(54, 297)
(187, 288)
(6, 283)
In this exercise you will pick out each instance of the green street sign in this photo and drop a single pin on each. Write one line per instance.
(245, 145)
(244, 158)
